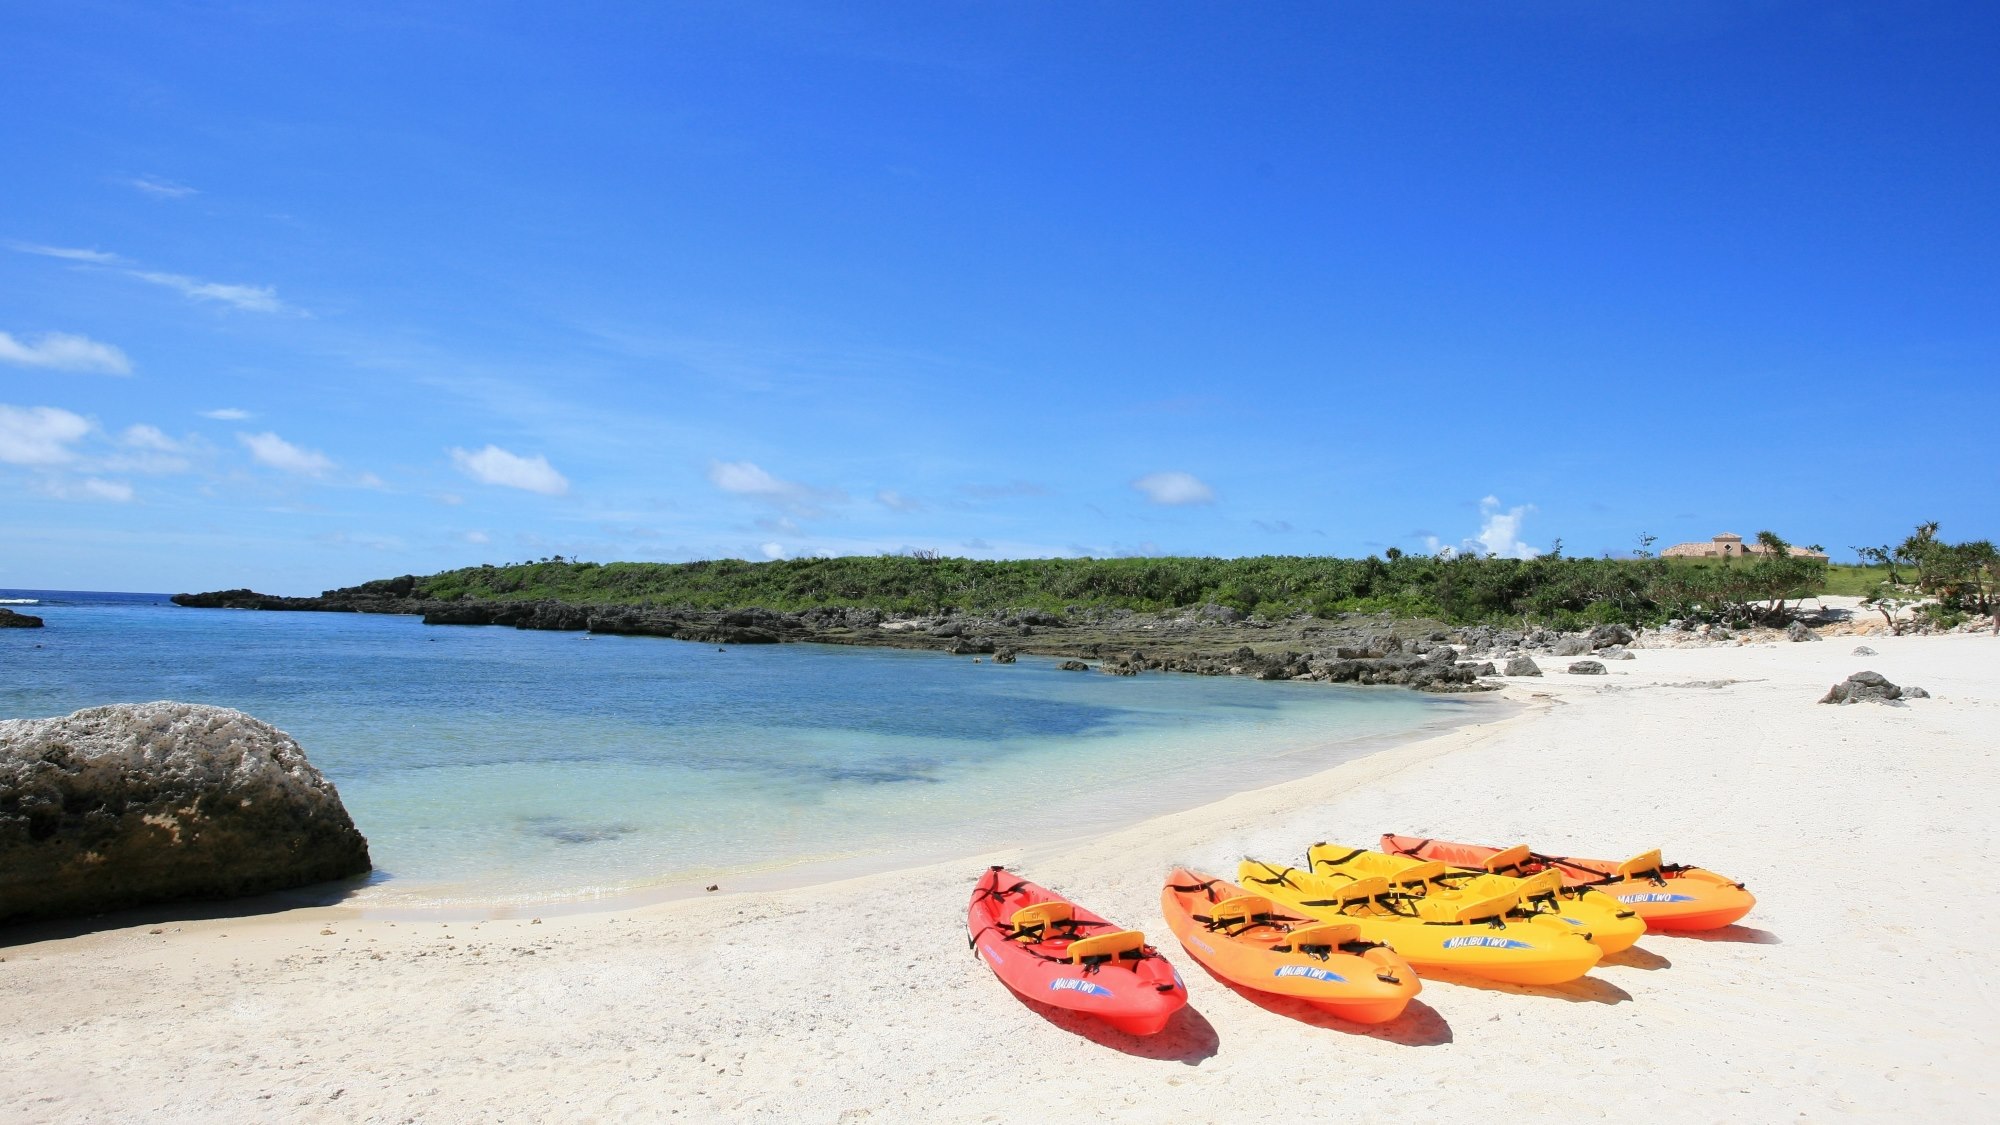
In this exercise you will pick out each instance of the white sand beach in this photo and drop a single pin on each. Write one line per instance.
(1857, 988)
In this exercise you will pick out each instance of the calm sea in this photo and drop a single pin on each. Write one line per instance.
(491, 765)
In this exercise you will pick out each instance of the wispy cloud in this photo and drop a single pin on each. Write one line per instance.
(252, 298)
(1174, 489)
(40, 435)
(773, 550)
(897, 502)
(269, 449)
(746, 478)
(155, 185)
(142, 436)
(69, 253)
(63, 351)
(494, 465)
(89, 489)
(1010, 490)
(227, 414)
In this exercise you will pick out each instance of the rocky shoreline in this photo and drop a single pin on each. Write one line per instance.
(1209, 640)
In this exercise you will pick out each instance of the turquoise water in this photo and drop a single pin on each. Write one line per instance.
(498, 765)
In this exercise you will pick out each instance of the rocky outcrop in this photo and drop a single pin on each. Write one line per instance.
(1412, 654)
(12, 620)
(129, 804)
(1522, 666)
(1604, 636)
(1863, 687)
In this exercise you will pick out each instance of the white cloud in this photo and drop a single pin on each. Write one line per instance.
(476, 537)
(154, 185)
(142, 436)
(269, 449)
(62, 351)
(69, 253)
(773, 550)
(370, 480)
(227, 414)
(494, 465)
(449, 499)
(91, 488)
(1500, 531)
(897, 502)
(39, 435)
(1176, 489)
(746, 478)
(254, 298)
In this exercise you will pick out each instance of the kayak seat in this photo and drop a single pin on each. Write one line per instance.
(1417, 879)
(1641, 866)
(1241, 912)
(1509, 861)
(1125, 945)
(1320, 938)
(1549, 883)
(1033, 923)
(1359, 893)
(1466, 909)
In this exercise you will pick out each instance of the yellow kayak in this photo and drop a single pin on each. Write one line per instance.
(1451, 935)
(1602, 919)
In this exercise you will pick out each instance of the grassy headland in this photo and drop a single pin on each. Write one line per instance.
(1552, 590)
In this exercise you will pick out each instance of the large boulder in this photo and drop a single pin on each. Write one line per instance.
(1522, 665)
(1574, 645)
(1800, 631)
(1586, 668)
(1604, 636)
(148, 802)
(1863, 687)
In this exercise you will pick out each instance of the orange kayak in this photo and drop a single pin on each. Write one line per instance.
(1667, 896)
(1250, 941)
(1051, 950)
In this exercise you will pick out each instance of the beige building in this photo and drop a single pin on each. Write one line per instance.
(1729, 546)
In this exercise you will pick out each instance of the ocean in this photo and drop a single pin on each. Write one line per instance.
(494, 766)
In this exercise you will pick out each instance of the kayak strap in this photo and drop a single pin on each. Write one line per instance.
(1280, 876)
(1206, 887)
(1336, 861)
(1240, 915)
(994, 892)
(1320, 939)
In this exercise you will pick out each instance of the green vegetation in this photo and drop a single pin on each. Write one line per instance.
(1951, 580)
(1553, 589)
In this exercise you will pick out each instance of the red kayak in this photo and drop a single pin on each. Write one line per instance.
(1049, 949)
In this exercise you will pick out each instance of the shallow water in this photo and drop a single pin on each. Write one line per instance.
(499, 765)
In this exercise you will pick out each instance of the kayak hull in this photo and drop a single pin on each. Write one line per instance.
(1514, 952)
(1138, 998)
(1685, 900)
(1361, 985)
(1601, 920)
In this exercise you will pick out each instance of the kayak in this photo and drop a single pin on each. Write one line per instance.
(1666, 896)
(1248, 940)
(1609, 924)
(1472, 937)
(1048, 949)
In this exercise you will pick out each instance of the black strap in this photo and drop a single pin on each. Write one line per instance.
(1333, 862)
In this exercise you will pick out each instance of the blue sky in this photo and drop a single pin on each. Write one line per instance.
(299, 295)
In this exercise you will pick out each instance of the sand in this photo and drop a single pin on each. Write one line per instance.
(1858, 988)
